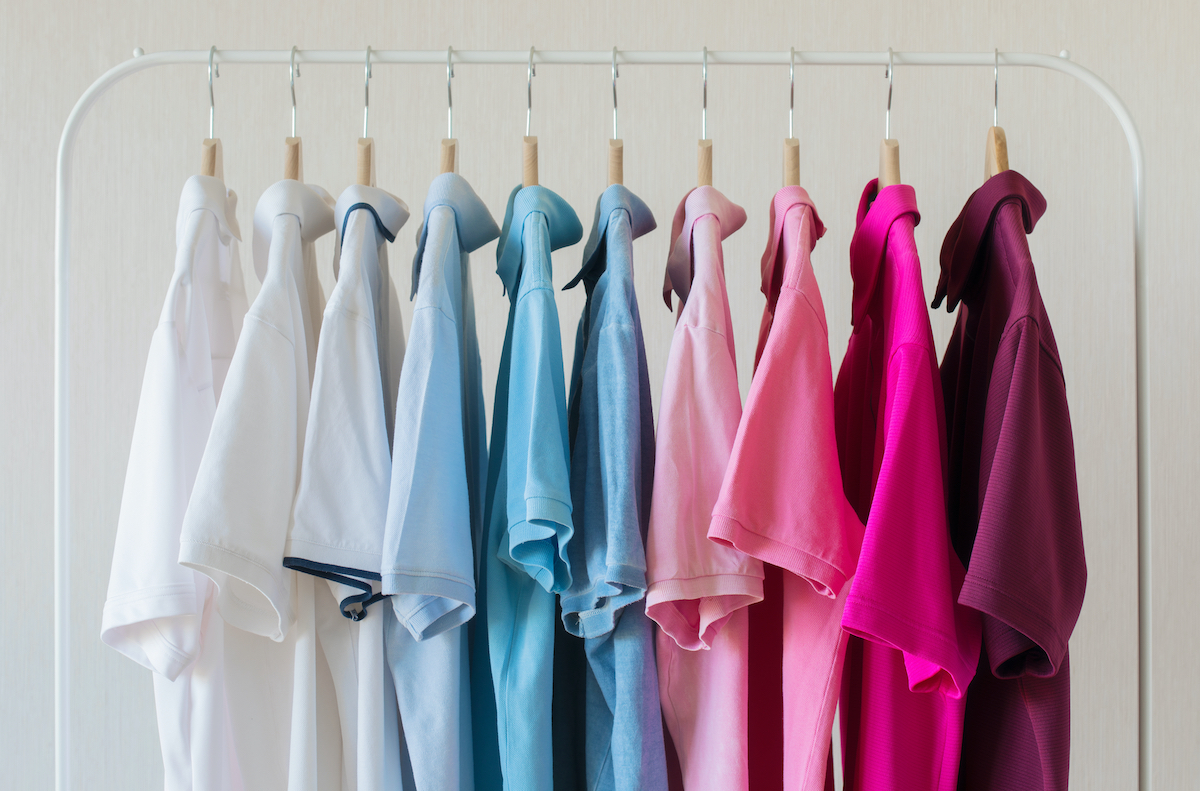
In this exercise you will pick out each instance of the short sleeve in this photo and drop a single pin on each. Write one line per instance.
(153, 610)
(1027, 572)
(695, 583)
(906, 587)
(428, 560)
(538, 472)
(236, 523)
(782, 500)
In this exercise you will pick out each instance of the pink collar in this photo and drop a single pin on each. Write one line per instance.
(700, 202)
(876, 213)
(785, 200)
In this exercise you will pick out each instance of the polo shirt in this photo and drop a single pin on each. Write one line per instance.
(698, 589)
(913, 648)
(782, 502)
(337, 528)
(1014, 500)
(435, 506)
(611, 429)
(527, 504)
(281, 691)
(158, 613)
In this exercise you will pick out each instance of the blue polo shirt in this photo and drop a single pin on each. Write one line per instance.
(527, 511)
(611, 428)
(435, 505)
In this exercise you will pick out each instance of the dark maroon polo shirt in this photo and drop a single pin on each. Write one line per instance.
(1013, 498)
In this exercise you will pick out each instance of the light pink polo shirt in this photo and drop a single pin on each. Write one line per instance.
(914, 648)
(782, 502)
(698, 590)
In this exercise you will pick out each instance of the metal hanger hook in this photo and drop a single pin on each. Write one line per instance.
(996, 89)
(449, 95)
(293, 73)
(213, 71)
(792, 94)
(615, 74)
(704, 107)
(367, 91)
(529, 91)
(891, 71)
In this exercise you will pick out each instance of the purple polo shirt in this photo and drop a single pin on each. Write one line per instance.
(1014, 503)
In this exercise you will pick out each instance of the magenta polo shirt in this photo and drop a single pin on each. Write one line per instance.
(698, 590)
(782, 502)
(1014, 501)
(913, 648)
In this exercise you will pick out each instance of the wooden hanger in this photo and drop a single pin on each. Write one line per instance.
(704, 148)
(212, 163)
(616, 147)
(791, 146)
(889, 149)
(447, 161)
(996, 156)
(293, 154)
(529, 150)
(364, 172)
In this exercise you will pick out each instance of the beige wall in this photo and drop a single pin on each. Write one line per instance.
(142, 141)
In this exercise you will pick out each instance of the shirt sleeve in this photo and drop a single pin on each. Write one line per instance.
(154, 606)
(782, 500)
(906, 587)
(428, 561)
(538, 479)
(695, 583)
(236, 523)
(1027, 571)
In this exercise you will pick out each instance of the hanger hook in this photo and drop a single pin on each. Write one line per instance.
(213, 71)
(615, 74)
(367, 91)
(996, 90)
(293, 73)
(529, 92)
(449, 95)
(704, 107)
(891, 70)
(792, 94)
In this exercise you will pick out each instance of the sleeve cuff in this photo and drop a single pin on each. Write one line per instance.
(429, 605)
(826, 579)
(249, 596)
(692, 611)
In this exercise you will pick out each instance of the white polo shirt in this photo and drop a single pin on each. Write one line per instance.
(281, 691)
(342, 499)
(158, 613)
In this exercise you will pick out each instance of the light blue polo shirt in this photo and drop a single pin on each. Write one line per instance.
(527, 510)
(439, 463)
(611, 428)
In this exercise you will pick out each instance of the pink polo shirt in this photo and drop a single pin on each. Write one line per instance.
(782, 502)
(698, 590)
(914, 648)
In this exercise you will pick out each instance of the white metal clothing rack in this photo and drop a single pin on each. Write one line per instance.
(141, 61)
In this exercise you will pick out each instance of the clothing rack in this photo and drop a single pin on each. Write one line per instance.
(141, 61)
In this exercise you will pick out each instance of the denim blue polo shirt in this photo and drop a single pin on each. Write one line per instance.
(611, 428)
(527, 511)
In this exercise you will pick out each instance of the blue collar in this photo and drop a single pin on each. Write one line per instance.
(561, 221)
(641, 221)
(472, 220)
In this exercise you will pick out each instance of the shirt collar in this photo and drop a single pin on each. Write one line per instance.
(390, 212)
(472, 220)
(561, 220)
(700, 202)
(310, 204)
(206, 192)
(962, 250)
(785, 200)
(616, 198)
(876, 213)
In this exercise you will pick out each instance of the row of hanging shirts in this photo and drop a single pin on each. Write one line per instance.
(341, 583)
